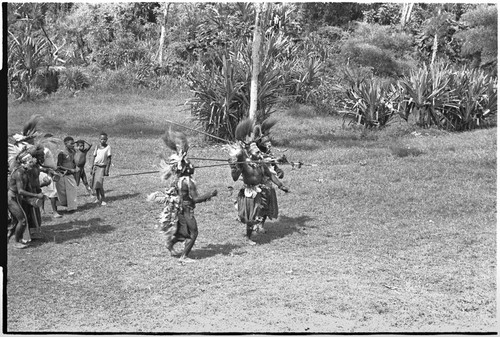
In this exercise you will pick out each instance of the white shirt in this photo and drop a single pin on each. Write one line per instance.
(101, 155)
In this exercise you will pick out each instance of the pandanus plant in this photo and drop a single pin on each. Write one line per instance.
(476, 99)
(427, 93)
(26, 55)
(222, 91)
(369, 101)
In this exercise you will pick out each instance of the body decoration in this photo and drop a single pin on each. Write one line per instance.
(256, 200)
(177, 219)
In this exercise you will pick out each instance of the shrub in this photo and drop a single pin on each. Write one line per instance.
(451, 99)
(74, 79)
(383, 48)
(368, 101)
(426, 92)
(476, 97)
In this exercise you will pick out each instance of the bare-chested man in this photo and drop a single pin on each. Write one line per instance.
(178, 219)
(254, 200)
(16, 194)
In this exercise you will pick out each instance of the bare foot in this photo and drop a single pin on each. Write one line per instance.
(171, 250)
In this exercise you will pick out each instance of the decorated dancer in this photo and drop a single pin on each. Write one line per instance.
(26, 142)
(18, 196)
(255, 200)
(101, 162)
(263, 141)
(181, 197)
(82, 147)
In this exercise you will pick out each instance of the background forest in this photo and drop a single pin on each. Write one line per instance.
(429, 64)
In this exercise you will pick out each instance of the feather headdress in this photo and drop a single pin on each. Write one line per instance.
(29, 130)
(245, 130)
(16, 153)
(265, 127)
(176, 141)
(54, 144)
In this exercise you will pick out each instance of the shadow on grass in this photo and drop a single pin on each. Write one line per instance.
(315, 142)
(212, 250)
(92, 205)
(283, 227)
(125, 125)
(72, 230)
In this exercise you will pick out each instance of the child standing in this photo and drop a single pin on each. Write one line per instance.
(100, 167)
(66, 185)
(82, 147)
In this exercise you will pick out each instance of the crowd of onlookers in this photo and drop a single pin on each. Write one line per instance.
(37, 175)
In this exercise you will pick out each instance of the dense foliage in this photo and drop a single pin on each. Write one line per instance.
(311, 54)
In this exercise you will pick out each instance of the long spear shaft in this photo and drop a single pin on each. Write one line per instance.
(299, 164)
(202, 132)
(157, 171)
(134, 174)
(209, 159)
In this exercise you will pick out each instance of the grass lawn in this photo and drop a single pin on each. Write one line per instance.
(392, 231)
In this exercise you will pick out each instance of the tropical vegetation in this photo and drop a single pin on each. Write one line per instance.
(431, 64)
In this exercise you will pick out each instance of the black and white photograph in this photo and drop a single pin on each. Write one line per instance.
(250, 168)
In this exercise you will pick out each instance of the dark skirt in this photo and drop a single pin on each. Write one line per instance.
(271, 205)
(253, 210)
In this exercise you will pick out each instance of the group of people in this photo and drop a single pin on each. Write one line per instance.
(35, 175)
(251, 159)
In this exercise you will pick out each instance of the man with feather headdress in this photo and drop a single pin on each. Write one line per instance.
(177, 219)
(20, 200)
(257, 200)
(25, 142)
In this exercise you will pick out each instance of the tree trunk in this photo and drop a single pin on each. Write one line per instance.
(163, 33)
(254, 84)
(406, 13)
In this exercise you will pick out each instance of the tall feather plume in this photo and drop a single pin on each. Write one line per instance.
(244, 130)
(14, 151)
(267, 125)
(165, 170)
(54, 144)
(168, 140)
(176, 141)
(29, 128)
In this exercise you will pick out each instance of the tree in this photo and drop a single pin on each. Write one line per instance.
(165, 9)
(480, 41)
(406, 13)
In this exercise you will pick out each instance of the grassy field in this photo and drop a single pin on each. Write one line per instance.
(392, 231)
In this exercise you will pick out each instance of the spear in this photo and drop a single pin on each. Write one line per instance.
(293, 164)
